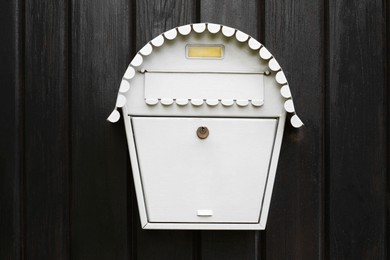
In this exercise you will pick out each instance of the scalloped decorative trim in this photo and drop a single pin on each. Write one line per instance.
(212, 28)
(200, 102)
(199, 27)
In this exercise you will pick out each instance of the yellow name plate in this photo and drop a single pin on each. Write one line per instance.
(204, 51)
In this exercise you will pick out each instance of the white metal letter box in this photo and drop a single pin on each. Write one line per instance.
(204, 107)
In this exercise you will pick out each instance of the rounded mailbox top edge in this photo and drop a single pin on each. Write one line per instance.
(199, 29)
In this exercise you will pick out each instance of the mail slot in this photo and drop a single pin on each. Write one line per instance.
(204, 107)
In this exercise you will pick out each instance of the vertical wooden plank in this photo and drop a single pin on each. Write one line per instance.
(237, 14)
(153, 18)
(387, 98)
(232, 244)
(10, 129)
(46, 130)
(357, 130)
(100, 54)
(294, 33)
(163, 244)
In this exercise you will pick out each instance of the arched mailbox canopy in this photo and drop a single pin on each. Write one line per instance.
(204, 107)
(233, 74)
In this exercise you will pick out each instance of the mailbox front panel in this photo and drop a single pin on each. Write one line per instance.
(219, 179)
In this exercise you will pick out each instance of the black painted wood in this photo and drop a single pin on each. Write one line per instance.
(232, 244)
(66, 189)
(242, 15)
(156, 17)
(46, 131)
(356, 122)
(294, 34)
(163, 244)
(387, 128)
(153, 18)
(101, 46)
(10, 126)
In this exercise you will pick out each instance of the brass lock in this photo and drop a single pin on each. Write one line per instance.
(202, 132)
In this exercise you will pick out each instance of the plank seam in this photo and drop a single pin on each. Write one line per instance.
(386, 31)
(326, 137)
(197, 11)
(69, 130)
(21, 118)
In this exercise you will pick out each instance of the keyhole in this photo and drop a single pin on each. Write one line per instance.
(202, 132)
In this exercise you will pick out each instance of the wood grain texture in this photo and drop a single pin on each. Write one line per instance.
(294, 34)
(242, 15)
(10, 129)
(156, 17)
(357, 131)
(163, 244)
(231, 244)
(153, 18)
(387, 129)
(101, 50)
(46, 130)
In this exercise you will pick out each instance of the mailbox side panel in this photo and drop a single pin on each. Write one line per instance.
(135, 168)
(272, 171)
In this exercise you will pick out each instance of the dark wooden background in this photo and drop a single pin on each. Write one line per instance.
(66, 188)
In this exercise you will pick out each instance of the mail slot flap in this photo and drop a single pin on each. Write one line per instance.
(217, 179)
(204, 85)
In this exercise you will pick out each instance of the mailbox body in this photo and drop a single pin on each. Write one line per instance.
(225, 180)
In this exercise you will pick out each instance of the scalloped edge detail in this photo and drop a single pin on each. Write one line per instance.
(241, 36)
(158, 41)
(213, 27)
(264, 53)
(242, 102)
(197, 102)
(199, 27)
(228, 31)
(212, 102)
(121, 101)
(130, 73)
(124, 87)
(227, 102)
(281, 78)
(137, 60)
(285, 91)
(114, 116)
(166, 101)
(289, 106)
(171, 34)
(146, 50)
(151, 101)
(257, 102)
(274, 65)
(182, 102)
(296, 121)
(254, 44)
(185, 29)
